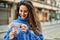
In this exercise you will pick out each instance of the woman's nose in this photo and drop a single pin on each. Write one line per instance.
(22, 13)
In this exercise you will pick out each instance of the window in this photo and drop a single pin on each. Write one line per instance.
(41, 0)
(1, 4)
(48, 1)
(4, 5)
(4, 13)
(57, 3)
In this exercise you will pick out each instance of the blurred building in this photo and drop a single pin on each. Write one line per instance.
(7, 10)
(58, 11)
(46, 10)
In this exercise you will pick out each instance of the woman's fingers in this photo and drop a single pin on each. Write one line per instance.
(12, 34)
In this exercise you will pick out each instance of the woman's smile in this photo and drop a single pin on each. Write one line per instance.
(23, 11)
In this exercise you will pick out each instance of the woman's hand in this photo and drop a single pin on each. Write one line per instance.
(12, 35)
(24, 27)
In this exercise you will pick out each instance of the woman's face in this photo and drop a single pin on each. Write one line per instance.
(23, 11)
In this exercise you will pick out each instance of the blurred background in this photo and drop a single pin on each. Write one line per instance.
(48, 12)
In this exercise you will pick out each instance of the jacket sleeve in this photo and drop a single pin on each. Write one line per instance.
(36, 37)
(6, 37)
(39, 37)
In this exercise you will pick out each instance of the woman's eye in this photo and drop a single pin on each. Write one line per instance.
(20, 10)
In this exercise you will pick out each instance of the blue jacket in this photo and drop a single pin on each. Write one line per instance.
(28, 35)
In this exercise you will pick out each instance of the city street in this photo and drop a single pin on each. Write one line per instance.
(51, 32)
(47, 12)
(3, 29)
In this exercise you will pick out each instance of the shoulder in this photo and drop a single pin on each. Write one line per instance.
(41, 33)
(30, 31)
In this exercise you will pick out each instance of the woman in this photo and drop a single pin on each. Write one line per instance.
(25, 17)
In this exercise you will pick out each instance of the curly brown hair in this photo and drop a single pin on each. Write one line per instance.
(31, 16)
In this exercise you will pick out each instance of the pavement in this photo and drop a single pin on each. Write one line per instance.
(3, 29)
(50, 31)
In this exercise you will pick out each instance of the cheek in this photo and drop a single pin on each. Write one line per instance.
(26, 14)
(20, 13)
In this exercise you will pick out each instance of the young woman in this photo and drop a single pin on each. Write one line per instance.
(28, 24)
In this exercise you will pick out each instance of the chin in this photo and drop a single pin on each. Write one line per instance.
(23, 17)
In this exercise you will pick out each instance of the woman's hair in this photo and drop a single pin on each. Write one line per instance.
(31, 16)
